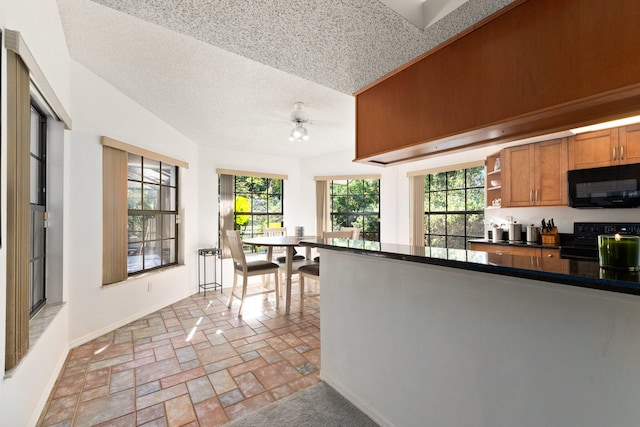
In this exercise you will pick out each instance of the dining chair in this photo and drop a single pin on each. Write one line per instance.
(355, 232)
(281, 231)
(312, 271)
(342, 234)
(309, 271)
(247, 269)
(282, 259)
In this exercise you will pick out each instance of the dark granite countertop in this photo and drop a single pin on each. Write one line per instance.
(585, 274)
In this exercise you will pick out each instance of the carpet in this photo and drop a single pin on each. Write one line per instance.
(318, 405)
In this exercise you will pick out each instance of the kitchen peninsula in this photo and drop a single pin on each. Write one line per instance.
(457, 338)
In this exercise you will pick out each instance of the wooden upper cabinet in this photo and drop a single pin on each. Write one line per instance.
(518, 176)
(535, 174)
(629, 144)
(551, 173)
(593, 149)
(608, 147)
(533, 68)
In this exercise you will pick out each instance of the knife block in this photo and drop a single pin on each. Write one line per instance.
(550, 237)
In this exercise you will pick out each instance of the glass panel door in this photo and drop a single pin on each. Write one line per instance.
(37, 211)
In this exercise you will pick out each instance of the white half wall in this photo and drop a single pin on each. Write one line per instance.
(24, 391)
(100, 109)
(413, 344)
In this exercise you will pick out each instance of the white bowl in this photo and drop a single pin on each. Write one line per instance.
(495, 183)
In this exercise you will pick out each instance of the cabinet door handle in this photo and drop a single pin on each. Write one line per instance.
(531, 195)
(614, 153)
(549, 255)
(537, 194)
(622, 152)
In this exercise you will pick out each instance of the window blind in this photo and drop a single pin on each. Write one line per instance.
(114, 215)
(18, 156)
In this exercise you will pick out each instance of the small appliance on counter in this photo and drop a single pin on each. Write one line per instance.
(584, 243)
(497, 235)
(515, 232)
(533, 233)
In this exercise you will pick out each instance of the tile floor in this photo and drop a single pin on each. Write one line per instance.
(194, 363)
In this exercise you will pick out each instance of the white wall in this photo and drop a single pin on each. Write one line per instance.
(295, 208)
(99, 110)
(24, 392)
(90, 309)
(212, 159)
(444, 347)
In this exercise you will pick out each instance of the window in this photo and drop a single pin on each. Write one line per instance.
(454, 207)
(258, 204)
(356, 203)
(152, 222)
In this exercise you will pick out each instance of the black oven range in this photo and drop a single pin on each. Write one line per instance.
(584, 243)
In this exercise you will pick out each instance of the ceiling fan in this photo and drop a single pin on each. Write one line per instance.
(299, 118)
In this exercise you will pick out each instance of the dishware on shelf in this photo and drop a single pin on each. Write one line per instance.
(496, 165)
(495, 183)
(619, 252)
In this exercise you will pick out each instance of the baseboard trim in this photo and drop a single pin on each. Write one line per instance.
(347, 394)
(122, 322)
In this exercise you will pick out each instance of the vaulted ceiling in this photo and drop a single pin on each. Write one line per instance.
(226, 73)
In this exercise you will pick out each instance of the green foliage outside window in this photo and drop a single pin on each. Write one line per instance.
(454, 207)
(356, 203)
(258, 204)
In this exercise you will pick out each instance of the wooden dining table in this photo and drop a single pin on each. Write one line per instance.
(289, 243)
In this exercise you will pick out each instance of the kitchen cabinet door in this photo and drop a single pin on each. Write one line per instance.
(518, 173)
(629, 144)
(505, 249)
(550, 181)
(535, 174)
(510, 256)
(593, 149)
(551, 261)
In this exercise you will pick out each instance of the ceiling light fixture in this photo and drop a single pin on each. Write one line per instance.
(299, 118)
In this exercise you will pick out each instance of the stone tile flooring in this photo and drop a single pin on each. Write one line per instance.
(194, 363)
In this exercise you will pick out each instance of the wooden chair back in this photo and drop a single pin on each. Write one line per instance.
(275, 231)
(355, 232)
(235, 246)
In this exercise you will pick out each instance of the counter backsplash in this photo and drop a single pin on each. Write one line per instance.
(563, 216)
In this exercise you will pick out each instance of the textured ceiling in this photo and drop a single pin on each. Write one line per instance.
(226, 73)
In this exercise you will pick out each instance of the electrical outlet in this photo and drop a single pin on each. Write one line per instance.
(509, 218)
(149, 287)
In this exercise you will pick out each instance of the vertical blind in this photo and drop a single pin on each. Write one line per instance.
(114, 215)
(18, 154)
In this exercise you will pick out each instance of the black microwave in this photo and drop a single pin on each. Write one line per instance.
(608, 187)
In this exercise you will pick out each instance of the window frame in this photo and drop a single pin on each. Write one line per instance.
(160, 213)
(253, 214)
(446, 212)
(363, 214)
